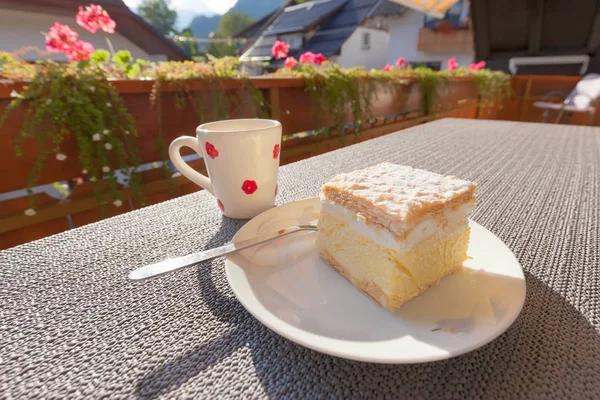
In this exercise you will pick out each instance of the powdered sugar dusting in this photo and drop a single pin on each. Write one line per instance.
(395, 195)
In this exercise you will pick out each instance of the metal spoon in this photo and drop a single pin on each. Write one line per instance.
(174, 264)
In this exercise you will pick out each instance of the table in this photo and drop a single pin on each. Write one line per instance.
(72, 325)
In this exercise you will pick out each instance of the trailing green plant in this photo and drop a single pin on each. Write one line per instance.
(216, 72)
(341, 94)
(76, 100)
(493, 86)
(431, 83)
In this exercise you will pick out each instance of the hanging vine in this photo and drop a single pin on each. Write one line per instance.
(65, 101)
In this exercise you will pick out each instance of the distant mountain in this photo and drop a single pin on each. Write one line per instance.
(202, 26)
(186, 16)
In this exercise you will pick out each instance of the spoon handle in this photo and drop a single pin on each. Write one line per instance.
(174, 264)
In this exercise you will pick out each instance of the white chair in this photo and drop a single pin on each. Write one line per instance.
(582, 99)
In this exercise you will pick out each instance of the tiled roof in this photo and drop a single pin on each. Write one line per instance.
(333, 30)
(329, 39)
(336, 20)
(303, 16)
(255, 28)
(387, 8)
(129, 24)
(262, 47)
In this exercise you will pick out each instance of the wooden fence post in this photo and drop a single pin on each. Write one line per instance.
(274, 103)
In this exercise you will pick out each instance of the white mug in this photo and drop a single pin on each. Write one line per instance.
(242, 160)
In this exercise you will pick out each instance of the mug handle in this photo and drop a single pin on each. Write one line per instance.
(187, 171)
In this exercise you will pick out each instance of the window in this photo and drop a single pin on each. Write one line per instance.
(366, 41)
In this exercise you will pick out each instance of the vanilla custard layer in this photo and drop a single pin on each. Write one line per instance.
(389, 276)
(445, 222)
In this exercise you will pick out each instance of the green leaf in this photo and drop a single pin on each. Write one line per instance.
(100, 56)
(122, 57)
(133, 71)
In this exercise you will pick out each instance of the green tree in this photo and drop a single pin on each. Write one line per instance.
(190, 47)
(231, 23)
(221, 49)
(159, 14)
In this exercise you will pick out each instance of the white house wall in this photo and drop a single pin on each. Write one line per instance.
(404, 37)
(353, 55)
(20, 29)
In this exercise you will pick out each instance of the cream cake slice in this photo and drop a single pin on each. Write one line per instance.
(393, 231)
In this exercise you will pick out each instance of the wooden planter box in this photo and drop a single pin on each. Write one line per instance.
(286, 100)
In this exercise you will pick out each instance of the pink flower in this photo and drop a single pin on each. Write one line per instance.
(400, 62)
(94, 17)
(387, 67)
(452, 64)
(60, 38)
(290, 62)
(319, 59)
(308, 58)
(280, 49)
(477, 66)
(79, 51)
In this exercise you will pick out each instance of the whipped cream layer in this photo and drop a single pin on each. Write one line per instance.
(443, 223)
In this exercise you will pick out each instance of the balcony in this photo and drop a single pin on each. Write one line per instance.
(64, 196)
(460, 40)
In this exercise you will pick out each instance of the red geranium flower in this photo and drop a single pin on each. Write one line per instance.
(249, 187)
(280, 49)
(307, 58)
(211, 150)
(290, 62)
(319, 59)
(477, 66)
(60, 38)
(401, 61)
(95, 17)
(452, 64)
(79, 51)
(221, 206)
(387, 67)
(276, 151)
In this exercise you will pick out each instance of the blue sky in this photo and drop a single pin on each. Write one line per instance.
(206, 7)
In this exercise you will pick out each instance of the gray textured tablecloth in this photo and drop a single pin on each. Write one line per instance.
(72, 325)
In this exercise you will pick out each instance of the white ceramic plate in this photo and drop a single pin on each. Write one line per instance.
(291, 290)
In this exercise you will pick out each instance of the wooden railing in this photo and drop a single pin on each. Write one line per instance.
(287, 101)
